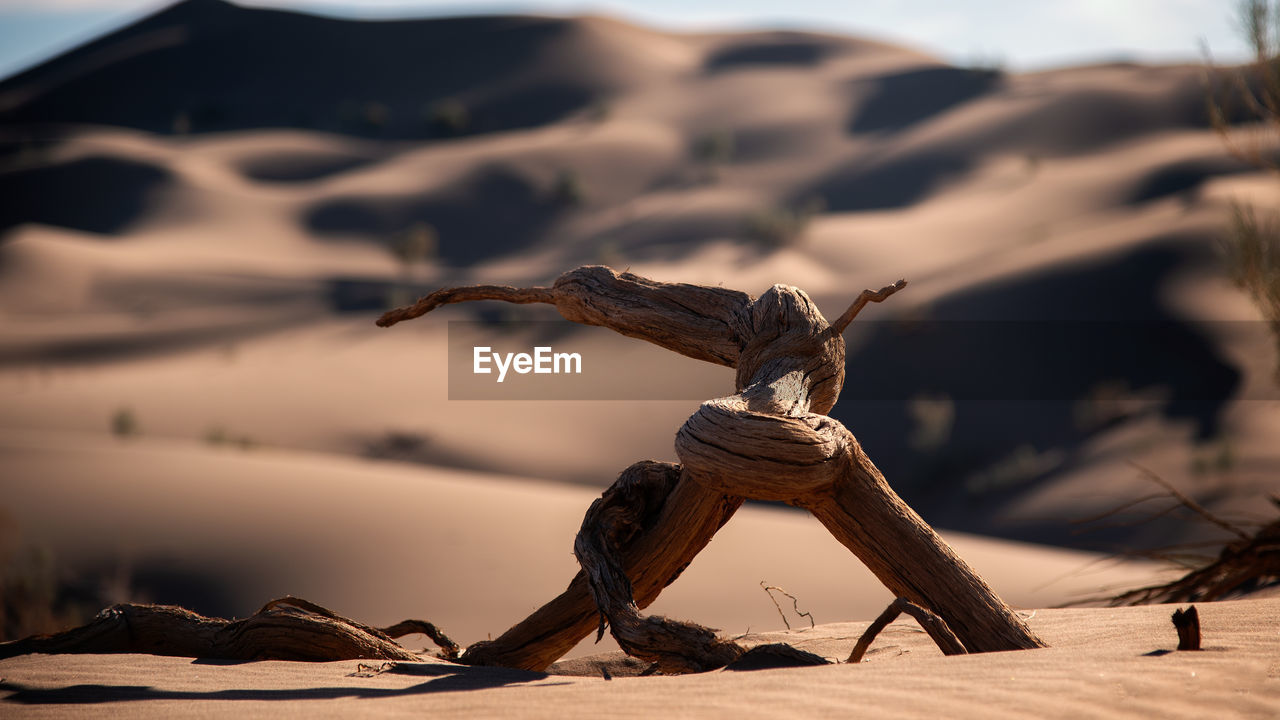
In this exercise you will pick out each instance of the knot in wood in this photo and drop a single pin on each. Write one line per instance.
(729, 448)
(772, 440)
(788, 334)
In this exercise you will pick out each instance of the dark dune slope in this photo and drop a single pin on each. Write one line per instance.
(205, 65)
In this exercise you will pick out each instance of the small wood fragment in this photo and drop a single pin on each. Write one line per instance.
(776, 655)
(1187, 623)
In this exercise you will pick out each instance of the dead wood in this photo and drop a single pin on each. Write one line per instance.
(1187, 623)
(935, 626)
(775, 655)
(655, 549)
(770, 440)
(1241, 567)
(795, 604)
(284, 629)
(610, 522)
(1245, 564)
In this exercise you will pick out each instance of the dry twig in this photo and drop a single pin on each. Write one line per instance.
(935, 626)
(795, 604)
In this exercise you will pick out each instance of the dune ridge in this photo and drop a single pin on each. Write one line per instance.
(214, 204)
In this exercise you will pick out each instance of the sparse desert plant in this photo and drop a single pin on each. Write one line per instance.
(376, 115)
(934, 417)
(1252, 244)
(448, 117)
(1249, 560)
(1031, 163)
(219, 436)
(1252, 252)
(182, 123)
(608, 253)
(29, 596)
(124, 423)
(598, 112)
(782, 226)
(568, 189)
(31, 152)
(415, 244)
(712, 150)
(1217, 457)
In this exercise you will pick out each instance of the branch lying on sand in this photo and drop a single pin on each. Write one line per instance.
(284, 629)
(770, 440)
(942, 636)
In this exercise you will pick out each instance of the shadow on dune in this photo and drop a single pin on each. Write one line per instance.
(1018, 366)
(1081, 110)
(782, 52)
(445, 678)
(1046, 116)
(762, 143)
(889, 183)
(896, 102)
(287, 167)
(223, 67)
(1182, 178)
(490, 213)
(101, 195)
(177, 582)
(1089, 119)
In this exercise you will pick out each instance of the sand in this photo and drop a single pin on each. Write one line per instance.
(1101, 663)
(211, 272)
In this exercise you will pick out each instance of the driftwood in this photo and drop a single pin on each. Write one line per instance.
(771, 440)
(284, 629)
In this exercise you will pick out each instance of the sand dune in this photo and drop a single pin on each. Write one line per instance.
(996, 197)
(204, 219)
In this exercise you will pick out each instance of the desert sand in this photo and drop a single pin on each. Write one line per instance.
(198, 241)
(1102, 663)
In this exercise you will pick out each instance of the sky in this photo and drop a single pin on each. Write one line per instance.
(1019, 36)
